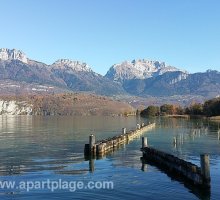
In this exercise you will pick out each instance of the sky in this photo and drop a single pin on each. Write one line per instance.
(182, 33)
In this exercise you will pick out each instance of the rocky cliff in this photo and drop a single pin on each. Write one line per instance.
(15, 108)
(138, 69)
(8, 54)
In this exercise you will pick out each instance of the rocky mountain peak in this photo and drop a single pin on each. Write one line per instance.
(74, 65)
(139, 69)
(13, 54)
(150, 63)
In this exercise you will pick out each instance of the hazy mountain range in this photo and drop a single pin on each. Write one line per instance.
(20, 75)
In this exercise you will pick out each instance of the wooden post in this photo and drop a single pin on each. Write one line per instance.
(182, 141)
(138, 126)
(193, 169)
(205, 167)
(144, 142)
(174, 140)
(91, 165)
(143, 166)
(123, 130)
(101, 149)
(91, 141)
(218, 134)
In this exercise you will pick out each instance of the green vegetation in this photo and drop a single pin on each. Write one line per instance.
(212, 107)
(209, 108)
(151, 111)
(194, 109)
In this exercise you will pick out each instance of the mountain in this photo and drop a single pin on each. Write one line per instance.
(162, 85)
(141, 78)
(206, 84)
(64, 74)
(138, 69)
(153, 78)
(8, 54)
(14, 65)
(31, 72)
(80, 77)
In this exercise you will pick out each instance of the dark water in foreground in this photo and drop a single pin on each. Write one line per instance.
(40, 148)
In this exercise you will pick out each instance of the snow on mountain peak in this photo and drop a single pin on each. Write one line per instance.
(12, 54)
(138, 69)
(74, 65)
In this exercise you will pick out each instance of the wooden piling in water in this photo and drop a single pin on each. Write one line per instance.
(218, 134)
(205, 168)
(123, 130)
(91, 165)
(174, 141)
(91, 141)
(144, 142)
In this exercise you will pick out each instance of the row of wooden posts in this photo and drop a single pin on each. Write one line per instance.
(197, 175)
(102, 147)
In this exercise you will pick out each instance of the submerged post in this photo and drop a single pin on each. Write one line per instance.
(205, 167)
(91, 165)
(174, 141)
(143, 166)
(91, 141)
(123, 130)
(144, 142)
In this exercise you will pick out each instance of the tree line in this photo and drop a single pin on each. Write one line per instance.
(208, 108)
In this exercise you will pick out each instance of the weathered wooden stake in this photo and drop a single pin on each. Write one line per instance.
(218, 134)
(91, 141)
(144, 142)
(182, 139)
(205, 167)
(143, 166)
(91, 165)
(174, 140)
(123, 130)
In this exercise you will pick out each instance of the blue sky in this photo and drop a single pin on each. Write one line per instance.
(183, 33)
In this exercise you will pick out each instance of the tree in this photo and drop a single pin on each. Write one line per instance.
(150, 111)
(212, 107)
(167, 109)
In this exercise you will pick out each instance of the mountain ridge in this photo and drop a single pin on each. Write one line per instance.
(72, 75)
(12, 54)
(139, 77)
(139, 69)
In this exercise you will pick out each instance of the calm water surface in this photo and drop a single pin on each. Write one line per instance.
(41, 148)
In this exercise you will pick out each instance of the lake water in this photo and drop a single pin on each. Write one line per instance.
(51, 148)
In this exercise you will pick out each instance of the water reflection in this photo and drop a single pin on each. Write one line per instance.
(192, 140)
(53, 146)
(201, 193)
(36, 144)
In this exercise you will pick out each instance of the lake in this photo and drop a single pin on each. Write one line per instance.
(37, 149)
